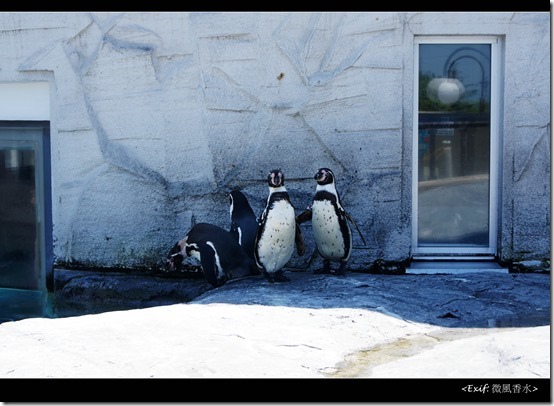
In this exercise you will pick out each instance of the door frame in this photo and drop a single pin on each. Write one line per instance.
(453, 251)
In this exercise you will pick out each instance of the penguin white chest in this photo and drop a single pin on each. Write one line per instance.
(276, 243)
(327, 231)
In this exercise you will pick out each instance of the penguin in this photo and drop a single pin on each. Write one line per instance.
(278, 233)
(220, 255)
(331, 230)
(244, 223)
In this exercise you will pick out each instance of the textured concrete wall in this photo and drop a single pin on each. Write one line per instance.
(155, 116)
(527, 140)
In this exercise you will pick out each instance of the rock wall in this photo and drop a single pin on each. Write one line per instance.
(156, 116)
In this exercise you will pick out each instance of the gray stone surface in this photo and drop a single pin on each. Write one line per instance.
(89, 292)
(485, 299)
(464, 300)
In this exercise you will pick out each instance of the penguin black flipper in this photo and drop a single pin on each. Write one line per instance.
(299, 241)
(355, 225)
(306, 215)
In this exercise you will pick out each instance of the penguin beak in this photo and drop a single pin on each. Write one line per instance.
(275, 179)
(319, 176)
(174, 258)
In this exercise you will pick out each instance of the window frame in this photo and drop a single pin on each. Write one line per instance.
(453, 251)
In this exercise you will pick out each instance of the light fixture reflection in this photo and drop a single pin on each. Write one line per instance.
(447, 90)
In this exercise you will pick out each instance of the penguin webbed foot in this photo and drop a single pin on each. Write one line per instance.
(326, 270)
(221, 281)
(342, 269)
(276, 277)
(281, 278)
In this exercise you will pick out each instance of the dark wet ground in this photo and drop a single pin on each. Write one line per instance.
(461, 300)
(486, 299)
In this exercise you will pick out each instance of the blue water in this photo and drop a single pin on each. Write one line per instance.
(17, 304)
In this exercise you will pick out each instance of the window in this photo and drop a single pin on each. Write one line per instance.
(455, 150)
(25, 219)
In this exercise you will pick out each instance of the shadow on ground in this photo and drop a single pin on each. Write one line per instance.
(462, 300)
(466, 300)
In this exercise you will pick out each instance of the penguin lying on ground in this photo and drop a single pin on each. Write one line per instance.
(330, 226)
(278, 232)
(244, 224)
(220, 255)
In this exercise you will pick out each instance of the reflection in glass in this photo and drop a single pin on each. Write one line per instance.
(454, 144)
(18, 220)
(23, 290)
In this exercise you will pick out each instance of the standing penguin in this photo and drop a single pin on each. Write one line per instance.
(220, 255)
(330, 226)
(244, 224)
(278, 232)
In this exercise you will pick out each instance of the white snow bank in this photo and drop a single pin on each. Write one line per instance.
(255, 341)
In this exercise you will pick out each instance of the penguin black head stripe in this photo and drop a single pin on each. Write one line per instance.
(276, 178)
(324, 176)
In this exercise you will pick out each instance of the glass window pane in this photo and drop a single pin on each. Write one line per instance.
(22, 266)
(454, 144)
(18, 219)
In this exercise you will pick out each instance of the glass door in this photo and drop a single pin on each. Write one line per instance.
(455, 149)
(23, 290)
